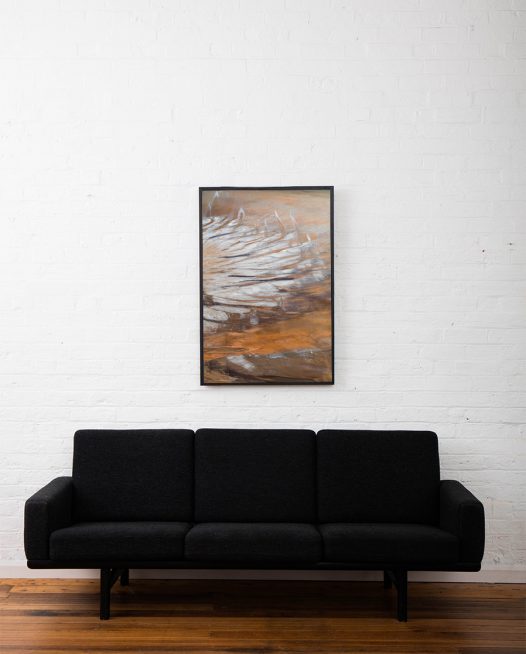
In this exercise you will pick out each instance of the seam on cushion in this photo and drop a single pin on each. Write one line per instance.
(323, 552)
(318, 499)
(194, 513)
(315, 477)
(192, 508)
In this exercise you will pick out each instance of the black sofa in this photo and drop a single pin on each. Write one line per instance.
(269, 498)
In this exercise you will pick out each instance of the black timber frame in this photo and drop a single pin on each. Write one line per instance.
(393, 574)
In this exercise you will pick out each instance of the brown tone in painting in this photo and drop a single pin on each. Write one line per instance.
(266, 285)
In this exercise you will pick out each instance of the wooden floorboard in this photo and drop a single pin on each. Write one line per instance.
(55, 616)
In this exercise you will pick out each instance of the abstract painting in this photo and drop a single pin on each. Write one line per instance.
(266, 285)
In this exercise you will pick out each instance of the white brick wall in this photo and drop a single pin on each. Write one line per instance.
(113, 112)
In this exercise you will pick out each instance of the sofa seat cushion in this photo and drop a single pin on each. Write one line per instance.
(119, 541)
(253, 542)
(388, 543)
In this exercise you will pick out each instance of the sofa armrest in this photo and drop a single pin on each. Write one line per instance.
(462, 514)
(48, 509)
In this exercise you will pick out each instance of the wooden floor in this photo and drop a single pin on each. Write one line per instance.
(260, 617)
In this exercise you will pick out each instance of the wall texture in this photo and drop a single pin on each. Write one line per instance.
(113, 112)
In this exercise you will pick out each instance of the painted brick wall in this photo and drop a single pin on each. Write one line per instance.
(113, 112)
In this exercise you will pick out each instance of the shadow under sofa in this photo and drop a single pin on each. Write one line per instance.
(254, 499)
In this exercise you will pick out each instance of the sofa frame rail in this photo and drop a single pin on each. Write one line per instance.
(109, 576)
(110, 573)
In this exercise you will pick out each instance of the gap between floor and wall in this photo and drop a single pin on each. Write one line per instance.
(484, 576)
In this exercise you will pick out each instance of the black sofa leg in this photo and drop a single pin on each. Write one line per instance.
(105, 592)
(125, 577)
(401, 588)
(108, 576)
(398, 578)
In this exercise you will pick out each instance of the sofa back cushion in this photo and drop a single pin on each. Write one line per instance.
(378, 476)
(255, 475)
(142, 474)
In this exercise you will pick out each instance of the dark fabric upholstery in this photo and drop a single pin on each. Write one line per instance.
(119, 541)
(463, 515)
(253, 542)
(391, 543)
(255, 475)
(143, 474)
(378, 476)
(48, 509)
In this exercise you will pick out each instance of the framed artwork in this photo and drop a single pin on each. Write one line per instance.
(266, 273)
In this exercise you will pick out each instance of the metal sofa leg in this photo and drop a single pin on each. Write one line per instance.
(401, 588)
(125, 577)
(387, 579)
